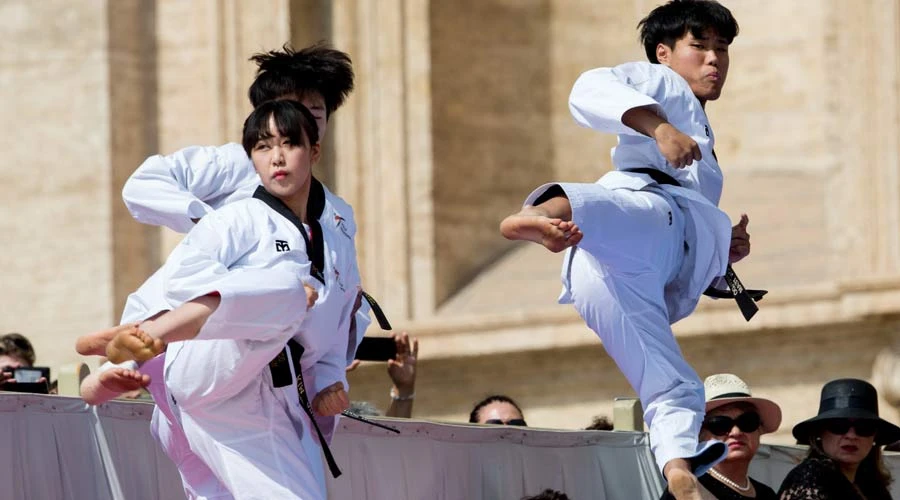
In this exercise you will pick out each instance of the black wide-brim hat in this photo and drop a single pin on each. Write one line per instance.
(848, 398)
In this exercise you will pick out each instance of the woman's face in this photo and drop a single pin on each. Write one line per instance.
(284, 166)
(725, 423)
(845, 443)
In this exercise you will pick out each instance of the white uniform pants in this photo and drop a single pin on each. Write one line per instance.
(198, 480)
(255, 438)
(633, 246)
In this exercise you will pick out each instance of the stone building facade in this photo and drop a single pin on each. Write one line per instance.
(460, 109)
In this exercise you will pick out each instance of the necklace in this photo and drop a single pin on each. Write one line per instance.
(721, 477)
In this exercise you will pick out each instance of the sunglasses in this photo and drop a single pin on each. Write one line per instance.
(515, 421)
(863, 428)
(721, 425)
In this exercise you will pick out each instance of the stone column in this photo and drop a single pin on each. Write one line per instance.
(862, 55)
(204, 71)
(133, 136)
(383, 159)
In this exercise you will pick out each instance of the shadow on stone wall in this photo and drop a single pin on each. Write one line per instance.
(492, 134)
(134, 135)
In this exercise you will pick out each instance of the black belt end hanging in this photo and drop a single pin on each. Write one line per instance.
(379, 314)
(746, 299)
(281, 377)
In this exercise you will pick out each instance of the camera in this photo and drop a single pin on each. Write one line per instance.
(28, 379)
(27, 375)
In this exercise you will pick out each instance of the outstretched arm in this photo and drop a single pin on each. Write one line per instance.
(184, 322)
(213, 301)
(177, 190)
(601, 97)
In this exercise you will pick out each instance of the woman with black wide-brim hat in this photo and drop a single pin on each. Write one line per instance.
(845, 439)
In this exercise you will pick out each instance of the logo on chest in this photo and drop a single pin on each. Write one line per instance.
(337, 279)
(282, 246)
(343, 227)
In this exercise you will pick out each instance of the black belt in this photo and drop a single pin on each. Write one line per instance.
(281, 377)
(745, 298)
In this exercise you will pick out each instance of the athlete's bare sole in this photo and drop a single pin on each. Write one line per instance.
(133, 344)
(94, 343)
(121, 380)
(683, 485)
(533, 224)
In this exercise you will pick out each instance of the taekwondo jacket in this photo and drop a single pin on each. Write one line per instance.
(599, 99)
(248, 235)
(174, 189)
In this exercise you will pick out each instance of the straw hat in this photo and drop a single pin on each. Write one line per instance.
(726, 388)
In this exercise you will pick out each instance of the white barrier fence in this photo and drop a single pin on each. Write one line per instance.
(58, 448)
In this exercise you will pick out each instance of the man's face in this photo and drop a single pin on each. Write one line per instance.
(315, 103)
(12, 362)
(703, 62)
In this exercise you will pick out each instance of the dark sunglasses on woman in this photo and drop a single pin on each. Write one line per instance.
(514, 421)
(721, 425)
(863, 428)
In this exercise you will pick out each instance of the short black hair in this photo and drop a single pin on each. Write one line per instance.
(668, 23)
(292, 119)
(548, 494)
(317, 68)
(496, 398)
(600, 423)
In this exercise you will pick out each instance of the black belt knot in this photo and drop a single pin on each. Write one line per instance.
(746, 299)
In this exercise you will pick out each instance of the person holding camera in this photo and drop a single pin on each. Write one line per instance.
(16, 357)
(401, 354)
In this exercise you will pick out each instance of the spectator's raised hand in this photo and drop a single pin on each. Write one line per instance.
(402, 369)
(740, 240)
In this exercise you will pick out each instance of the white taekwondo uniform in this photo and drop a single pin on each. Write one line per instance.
(171, 191)
(649, 250)
(255, 438)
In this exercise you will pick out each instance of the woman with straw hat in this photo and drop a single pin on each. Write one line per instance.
(845, 439)
(734, 416)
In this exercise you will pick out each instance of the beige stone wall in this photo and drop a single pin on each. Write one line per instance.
(56, 178)
(492, 137)
(565, 387)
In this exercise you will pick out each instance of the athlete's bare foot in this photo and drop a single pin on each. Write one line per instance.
(683, 485)
(311, 296)
(133, 344)
(120, 380)
(94, 343)
(534, 224)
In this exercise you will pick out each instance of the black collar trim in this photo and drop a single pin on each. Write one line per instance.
(315, 206)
